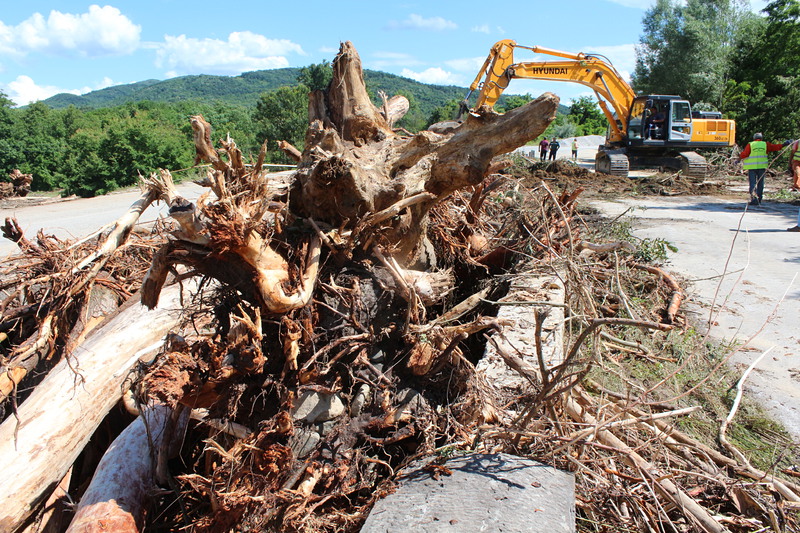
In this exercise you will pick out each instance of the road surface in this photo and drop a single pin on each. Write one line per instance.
(75, 218)
(749, 266)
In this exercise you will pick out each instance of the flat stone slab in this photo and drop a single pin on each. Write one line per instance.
(484, 492)
(518, 339)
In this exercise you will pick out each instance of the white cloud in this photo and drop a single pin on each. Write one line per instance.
(98, 32)
(470, 65)
(622, 57)
(434, 75)
(243, 51)
(418, 22)
(24, 90)
(483, 28)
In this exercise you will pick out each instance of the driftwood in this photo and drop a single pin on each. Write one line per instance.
(335, 186)
(394, 108)
(290, 150)
(116, 497)
(20, 184)
(41, 442)
(28, 355)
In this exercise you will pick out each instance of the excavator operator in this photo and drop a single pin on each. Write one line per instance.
(654, 124)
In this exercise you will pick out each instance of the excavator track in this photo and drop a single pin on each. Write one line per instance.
(693, 165)
(612, 162)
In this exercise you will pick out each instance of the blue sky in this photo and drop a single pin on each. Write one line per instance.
(47, 47)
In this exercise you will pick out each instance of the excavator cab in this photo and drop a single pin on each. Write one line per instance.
(659, 120)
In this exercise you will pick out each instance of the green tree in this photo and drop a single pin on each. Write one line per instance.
(586, 114)
(282, 115)
(38, 140)
(764, 91)
(443, 113)
(113, 147)
(316, 76)
(686, 49)
(513, 101)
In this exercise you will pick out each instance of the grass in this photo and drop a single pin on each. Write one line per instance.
(765, 442)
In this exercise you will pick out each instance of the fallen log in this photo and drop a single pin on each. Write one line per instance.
(54, 424)
(116, 497)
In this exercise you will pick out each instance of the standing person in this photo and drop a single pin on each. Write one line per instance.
(554, 146)
(574, 149)
(756, 163)
(543, 144)
(794, 165)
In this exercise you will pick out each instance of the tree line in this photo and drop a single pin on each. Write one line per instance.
(88, 151)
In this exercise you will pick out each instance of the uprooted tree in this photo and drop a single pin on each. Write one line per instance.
(373, 187)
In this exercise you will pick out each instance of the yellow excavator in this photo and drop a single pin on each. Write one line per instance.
(646, 131)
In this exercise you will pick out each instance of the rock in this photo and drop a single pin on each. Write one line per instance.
(485, 492)
(410, 403)
(303, 442)
(313, 407)
(359, 399)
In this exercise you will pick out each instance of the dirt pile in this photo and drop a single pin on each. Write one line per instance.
(567, 175)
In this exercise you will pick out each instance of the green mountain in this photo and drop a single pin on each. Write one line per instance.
(246, 88)
(242, 90)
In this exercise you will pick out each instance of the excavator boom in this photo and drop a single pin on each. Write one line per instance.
(614, 95)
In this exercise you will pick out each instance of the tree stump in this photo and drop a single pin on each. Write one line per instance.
(370, 188)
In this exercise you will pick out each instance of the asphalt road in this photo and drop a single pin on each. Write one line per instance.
(747, 265)
(75, 218)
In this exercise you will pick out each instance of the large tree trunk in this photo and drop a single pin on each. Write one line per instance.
(54, 424)
(354, 164)
(116, 497)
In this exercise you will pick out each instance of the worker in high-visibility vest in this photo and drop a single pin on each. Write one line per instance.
(794, 165)
(756, 163)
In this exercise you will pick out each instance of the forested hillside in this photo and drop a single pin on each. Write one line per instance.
(244, 90)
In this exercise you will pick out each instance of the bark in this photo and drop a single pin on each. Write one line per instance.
(55, 423)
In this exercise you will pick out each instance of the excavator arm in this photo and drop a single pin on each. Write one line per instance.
(613, 93)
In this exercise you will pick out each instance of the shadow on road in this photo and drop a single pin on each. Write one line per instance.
(783, 210)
